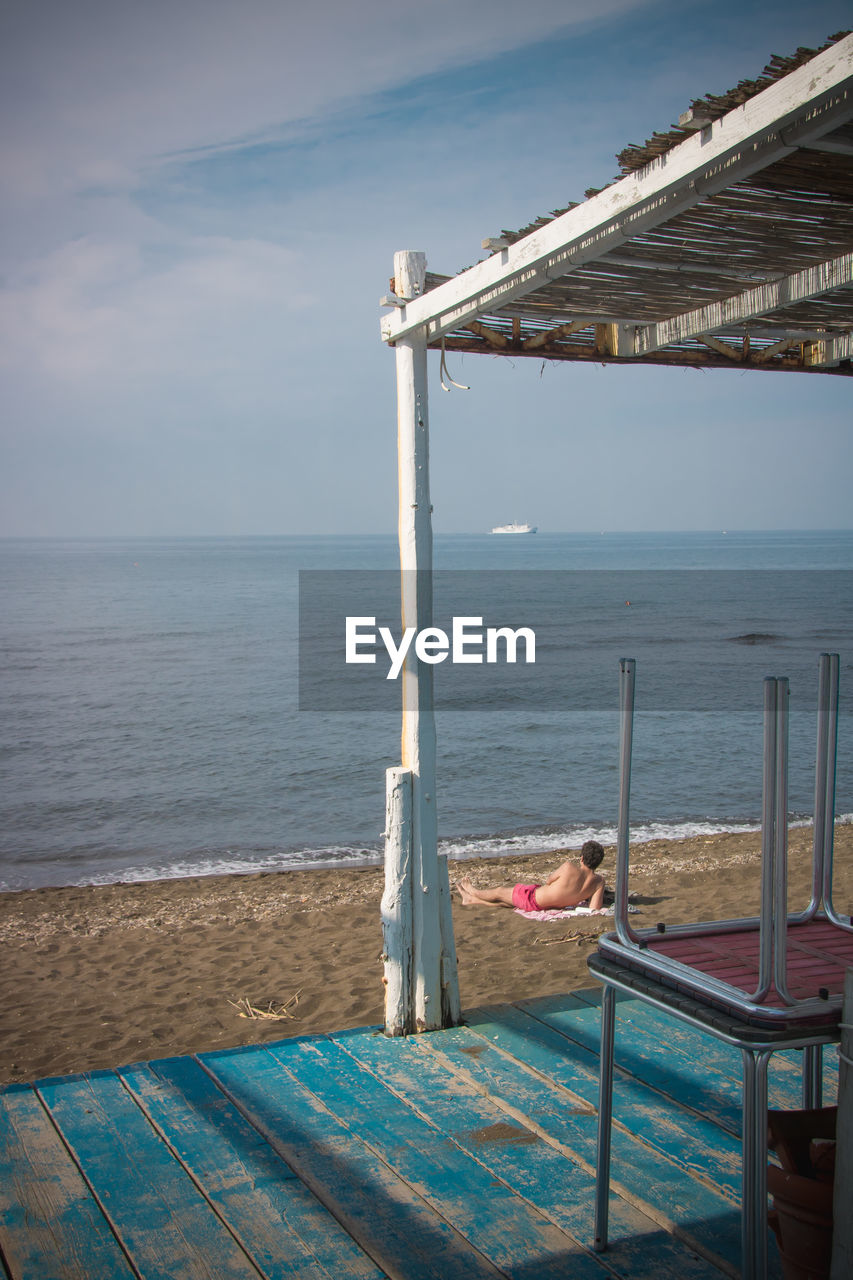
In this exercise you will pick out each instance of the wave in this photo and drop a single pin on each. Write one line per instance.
(229, 862)
(514, 845)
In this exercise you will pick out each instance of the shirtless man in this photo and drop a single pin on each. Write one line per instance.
(568, 886)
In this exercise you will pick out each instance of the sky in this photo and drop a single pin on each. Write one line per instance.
(201, 204)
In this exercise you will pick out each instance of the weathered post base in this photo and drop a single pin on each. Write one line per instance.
(404, 958)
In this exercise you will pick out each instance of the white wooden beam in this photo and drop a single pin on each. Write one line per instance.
(799, 108)
(685, 267)
(833, 146)
(695, 118)
(724, 348)
(824, 277)
(551, 335)
(789, 333)
(493, 336)
(767, 353)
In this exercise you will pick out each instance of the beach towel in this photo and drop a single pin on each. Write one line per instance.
(565, 912)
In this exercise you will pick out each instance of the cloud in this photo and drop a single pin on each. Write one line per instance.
(94, 88)
(151, 150)
(102, 310)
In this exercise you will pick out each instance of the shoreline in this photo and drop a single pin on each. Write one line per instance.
(100, 976)
(499, 849)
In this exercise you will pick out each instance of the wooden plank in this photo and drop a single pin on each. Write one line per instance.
(785, 1071)
(691, 1147)
(712, 1094)
(155, 1211)
(676, 1134)
(530, 1142)
(821, 278)
(50, 1227)
(644, 1020)
(493, 336)
(667, 1160)
(543, 1054)
(767, 353)
(671, 1057)
(277, 1220)
(682, 357)
(834, 145)
(378, 1208)
(498, 1224)
(552, 335)
(724, 348)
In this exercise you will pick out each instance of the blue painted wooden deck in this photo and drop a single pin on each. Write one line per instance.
(461, 1154)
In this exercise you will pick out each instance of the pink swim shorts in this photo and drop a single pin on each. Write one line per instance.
(524, 897)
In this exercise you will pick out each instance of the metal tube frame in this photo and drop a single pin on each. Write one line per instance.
(627, 668)
(821, 771)
(768, 841)
(605, 1117)
(772, 923)
(779, 909)
(812, 1077)
(774, 918)
(753, 1223)
(755, 1056)
(825, 800)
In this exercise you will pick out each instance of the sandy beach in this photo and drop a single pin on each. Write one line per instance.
(99, 977)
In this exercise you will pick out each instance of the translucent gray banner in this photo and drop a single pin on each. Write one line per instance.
(703, 639)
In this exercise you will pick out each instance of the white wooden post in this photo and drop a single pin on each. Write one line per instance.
(433, 961)
(397, 902)
(842, 1195)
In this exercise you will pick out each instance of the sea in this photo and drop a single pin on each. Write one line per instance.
(152, 722)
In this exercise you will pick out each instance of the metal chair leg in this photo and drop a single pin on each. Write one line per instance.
(812, 1077)
(754, 1166)
(605, 1117)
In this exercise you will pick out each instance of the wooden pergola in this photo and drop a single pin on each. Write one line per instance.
(728, 243)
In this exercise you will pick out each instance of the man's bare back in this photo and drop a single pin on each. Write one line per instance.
(569, 885)
(572, 883)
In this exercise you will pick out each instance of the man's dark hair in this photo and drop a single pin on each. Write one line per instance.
(591, 854)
